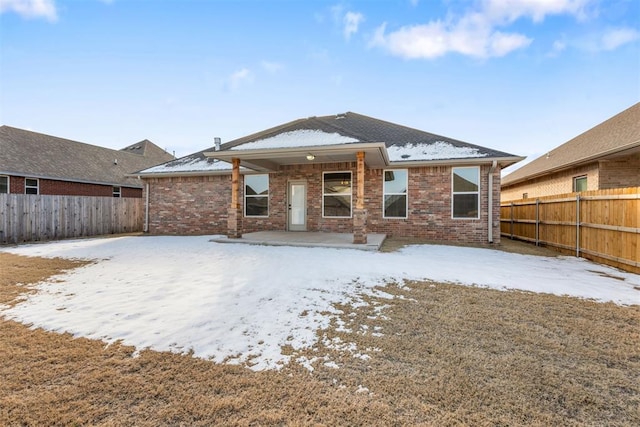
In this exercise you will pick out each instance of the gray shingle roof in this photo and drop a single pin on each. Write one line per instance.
(619, 133)
(364, 129)
(353, 126)
(26, 153)
(149, 150)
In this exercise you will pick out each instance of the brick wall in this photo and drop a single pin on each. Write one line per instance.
(620, 172)
(198, 205)
(429, 214)
(556, 183)
(189, 205)
(68, 188)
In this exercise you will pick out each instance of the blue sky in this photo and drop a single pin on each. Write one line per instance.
(522, 76)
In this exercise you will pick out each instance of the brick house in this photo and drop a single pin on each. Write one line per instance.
(34, 163)
(347, 173)
(606, 156)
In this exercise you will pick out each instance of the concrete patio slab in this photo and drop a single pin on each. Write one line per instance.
(306, 239)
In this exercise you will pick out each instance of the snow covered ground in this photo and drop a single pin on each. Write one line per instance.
(238, 303)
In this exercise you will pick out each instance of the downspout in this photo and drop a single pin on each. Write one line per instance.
(493, 167)
(146, 209)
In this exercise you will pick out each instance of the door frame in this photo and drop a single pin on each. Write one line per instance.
(291, 227)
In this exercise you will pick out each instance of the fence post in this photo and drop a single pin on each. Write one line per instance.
(511, 220)
(537, 222)
(578, 225)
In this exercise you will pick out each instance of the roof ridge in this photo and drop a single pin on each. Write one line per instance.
(262, 134)
(326, 120)
(99, 147)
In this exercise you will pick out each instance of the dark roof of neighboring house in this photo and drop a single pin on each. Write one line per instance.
(403, 143)
(619, 134)
(149, 150)
(32, 154)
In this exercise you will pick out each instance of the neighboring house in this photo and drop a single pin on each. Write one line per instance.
(346, 173)
(606, 156)
(34, 163)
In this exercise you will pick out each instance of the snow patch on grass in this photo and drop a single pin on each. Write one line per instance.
(242, 304)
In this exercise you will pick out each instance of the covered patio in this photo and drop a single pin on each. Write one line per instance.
(261, 157)
(306, 239)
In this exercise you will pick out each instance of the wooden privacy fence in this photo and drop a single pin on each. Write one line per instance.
(600, 225)
(28, 218)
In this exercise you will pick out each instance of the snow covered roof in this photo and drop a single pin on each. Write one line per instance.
(297, 138)
(191, 163)
(403, 144)
(440, 150)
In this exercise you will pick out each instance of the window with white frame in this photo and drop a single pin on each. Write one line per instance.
(580, 183)
(31, 186)
(4, 184)
(465, 192)
(336, 194)
(395, 193)
(117, 191)
(256, 195)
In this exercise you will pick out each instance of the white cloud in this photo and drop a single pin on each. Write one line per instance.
(537, 10)
(595, 42)
(352, 21)
(240, 77)
(271, 67)
(615, 38)
(500, 44)
(471, 36)
(559, 46)
(31, 8)
(476, 32)
(349, 21)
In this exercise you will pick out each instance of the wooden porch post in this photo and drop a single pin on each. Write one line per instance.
(234, 219)
(360, 213)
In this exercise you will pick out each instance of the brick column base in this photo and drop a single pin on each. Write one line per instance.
(234, 223)
(360, 226)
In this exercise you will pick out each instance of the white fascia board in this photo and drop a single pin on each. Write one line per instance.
(448, 162)
(275, 152)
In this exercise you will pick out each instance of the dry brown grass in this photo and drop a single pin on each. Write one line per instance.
(450, 355)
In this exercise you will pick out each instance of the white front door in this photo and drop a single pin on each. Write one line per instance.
(297, 206)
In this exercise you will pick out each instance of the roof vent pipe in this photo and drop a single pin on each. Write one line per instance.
(217, 141)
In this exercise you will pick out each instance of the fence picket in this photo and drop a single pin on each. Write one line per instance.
(27, 217)
(602, 225)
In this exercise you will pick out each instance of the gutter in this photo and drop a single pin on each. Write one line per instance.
(187, 173)
(80, 181)
(146, 210)
(462, 161)
(266, 153)
(494, 164)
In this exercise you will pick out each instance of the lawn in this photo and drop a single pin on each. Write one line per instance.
(373, 341)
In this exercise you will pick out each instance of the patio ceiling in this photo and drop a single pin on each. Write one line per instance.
(272, 158)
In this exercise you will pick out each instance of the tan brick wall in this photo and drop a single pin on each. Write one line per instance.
(620, 173)
(549, 185)
(199, 205)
